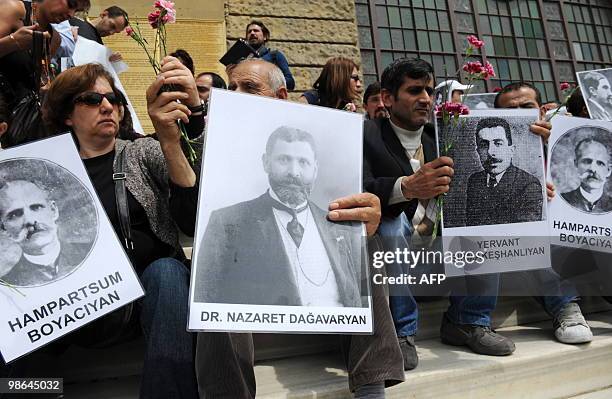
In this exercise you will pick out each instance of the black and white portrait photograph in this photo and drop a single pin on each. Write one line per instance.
(263, 236)
(499, 170)
(61, 263)
(48, 222)
(581, 165)
(479, 101)
(597, 92)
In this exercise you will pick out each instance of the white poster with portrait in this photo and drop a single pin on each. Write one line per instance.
(597, 92)
(580, 153)
(497, 199)
(266, 257)
(61, 264)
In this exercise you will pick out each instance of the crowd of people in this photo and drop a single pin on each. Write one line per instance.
(160, 192)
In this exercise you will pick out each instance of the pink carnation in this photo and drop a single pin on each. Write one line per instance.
(169, 17)
(153, 18)
(475, 42)
(164, 5)
(565, 86)
(452, 108)
(129, 31)
(497, 89)
(488, 71)
(473, 67)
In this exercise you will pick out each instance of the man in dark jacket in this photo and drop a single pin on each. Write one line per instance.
(257, 34)
(501, 193)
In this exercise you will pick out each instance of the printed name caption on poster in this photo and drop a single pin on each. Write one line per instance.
(282, 318)
(601, 239)
(85, 297)
(508, 248)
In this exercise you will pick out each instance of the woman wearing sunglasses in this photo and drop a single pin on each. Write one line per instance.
(338, 86)
(158, 181)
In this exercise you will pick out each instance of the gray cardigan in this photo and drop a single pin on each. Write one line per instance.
(147, 180)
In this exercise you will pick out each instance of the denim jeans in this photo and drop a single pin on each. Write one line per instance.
(169, 369)
(474, 310)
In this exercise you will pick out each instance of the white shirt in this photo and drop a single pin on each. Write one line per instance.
(410, 140)
(591, 197)
(497, 178)
(310, 263)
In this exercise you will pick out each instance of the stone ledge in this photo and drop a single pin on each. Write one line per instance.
(299, 30)
(322, 9)
(304, 54)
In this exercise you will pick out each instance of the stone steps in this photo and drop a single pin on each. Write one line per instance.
(540, 368)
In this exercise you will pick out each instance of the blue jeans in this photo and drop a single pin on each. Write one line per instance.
(169, 369)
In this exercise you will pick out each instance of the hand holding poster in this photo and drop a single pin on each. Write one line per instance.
(266, 258)
(580, 167)
(496, 203)
(61, 265)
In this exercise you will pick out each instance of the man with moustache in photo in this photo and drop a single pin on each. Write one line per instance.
(594, 166)
(28, 217)
(599, 95)
(281, 240)
(501, 193)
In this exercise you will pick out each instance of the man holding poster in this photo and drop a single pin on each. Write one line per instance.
(373, 361)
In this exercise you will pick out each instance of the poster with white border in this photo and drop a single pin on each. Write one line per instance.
(497, 201)
(479, 101)
(266, 168)
(597, 92)
(580, 154)
(61, 264)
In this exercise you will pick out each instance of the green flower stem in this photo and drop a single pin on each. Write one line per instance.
(564, 103)
(12, 287)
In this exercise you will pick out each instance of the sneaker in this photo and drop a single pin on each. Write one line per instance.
(570, 325)
(480, 339)
(409, 353)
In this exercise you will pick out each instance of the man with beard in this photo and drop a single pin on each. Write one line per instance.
(501, 193)
(29, 218)
(599, 93)
(372, 102)
(594, 166)
(279, 248)
(257, 34)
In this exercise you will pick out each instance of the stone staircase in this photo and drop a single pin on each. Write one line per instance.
(301, 366)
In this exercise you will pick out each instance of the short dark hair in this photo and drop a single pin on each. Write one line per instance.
(414, 68)
(217, 81)
(517, 86)
(589, 140)
(263, 27)
(488, 123)
(591, 79)
(575, 104)
(290, 134)
(115, 11)
(59, 101)
(372, 90)
(184, 58)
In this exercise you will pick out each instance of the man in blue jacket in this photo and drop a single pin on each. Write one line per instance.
(257, 34)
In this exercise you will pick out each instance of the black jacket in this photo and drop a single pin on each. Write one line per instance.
(517, 198)
(385, 160)
(241, 257)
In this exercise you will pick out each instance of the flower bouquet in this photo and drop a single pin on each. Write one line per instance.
(164, 13)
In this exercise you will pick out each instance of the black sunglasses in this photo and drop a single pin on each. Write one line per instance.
(93, 98)
(355, 78)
